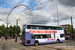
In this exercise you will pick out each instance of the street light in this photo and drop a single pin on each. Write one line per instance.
(16, 28)
(57, 11)
(6, 29)
(72, 27)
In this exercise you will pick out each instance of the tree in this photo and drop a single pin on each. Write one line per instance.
(3, 30)
(12, 30)
(74, 30)
(19, 30)
(1, 33)
(70, 30)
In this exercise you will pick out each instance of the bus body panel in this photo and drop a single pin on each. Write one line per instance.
(29, 40)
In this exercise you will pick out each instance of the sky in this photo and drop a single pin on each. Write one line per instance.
(43, 11)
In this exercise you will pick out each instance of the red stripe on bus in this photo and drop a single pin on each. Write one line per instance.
(31, 31)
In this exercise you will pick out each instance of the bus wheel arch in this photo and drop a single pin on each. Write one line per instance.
(58, 41)
(36, 43)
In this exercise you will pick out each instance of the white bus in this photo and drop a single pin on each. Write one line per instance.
(42, 34)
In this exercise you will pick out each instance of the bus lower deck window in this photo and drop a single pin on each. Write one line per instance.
(61, 35)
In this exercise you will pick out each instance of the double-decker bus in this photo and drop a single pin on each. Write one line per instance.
(41, 34)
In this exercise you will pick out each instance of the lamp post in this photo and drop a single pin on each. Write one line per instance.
(72, 26)
(57, 11)
(16, 28)
(6, 29)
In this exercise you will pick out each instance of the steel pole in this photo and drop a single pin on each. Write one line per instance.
(16, 30)
(7, 28)
(57, 11)
(72, 27)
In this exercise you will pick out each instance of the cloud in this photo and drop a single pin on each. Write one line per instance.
(26, 2)
(40, 1)
(15, 1)
(3, 14)
(39, 7)
(41, 17)
(64, 13)
(70, 3)
(4, 11)
(45, 12)
(60, 23)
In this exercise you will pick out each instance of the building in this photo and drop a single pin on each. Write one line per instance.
(66, 27)
(66, 30)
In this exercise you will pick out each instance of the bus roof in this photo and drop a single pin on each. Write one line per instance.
(42, 25)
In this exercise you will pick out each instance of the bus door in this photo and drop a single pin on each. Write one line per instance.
(23, 37)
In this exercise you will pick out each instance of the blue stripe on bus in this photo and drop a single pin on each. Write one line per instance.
(62, 40)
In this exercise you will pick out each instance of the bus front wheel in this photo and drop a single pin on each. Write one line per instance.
(58, 41)
(36, 43)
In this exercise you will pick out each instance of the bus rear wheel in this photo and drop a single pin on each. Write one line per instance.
(58, 41)
(36, 43)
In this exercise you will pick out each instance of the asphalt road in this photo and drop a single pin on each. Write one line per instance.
(12, 45)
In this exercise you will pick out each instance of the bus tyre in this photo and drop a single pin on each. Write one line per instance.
(36, 43)
(58, 41)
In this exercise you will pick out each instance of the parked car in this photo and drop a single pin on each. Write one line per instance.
(9, 37)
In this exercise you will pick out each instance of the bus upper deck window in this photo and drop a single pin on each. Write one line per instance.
(32, 28)
(48, 28)
(35, 28)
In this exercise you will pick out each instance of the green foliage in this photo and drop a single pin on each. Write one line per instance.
(11, 30)
(1, 33)
(74, 30)
(2, 30)
(70, 30)
(19, 30)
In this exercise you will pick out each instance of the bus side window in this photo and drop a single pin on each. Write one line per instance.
(60, 28)
(61, 35)
(54, 28)
(35, 27)
(41, 36)
(35, 36)
(51, 28)
(49, 36)
(48, 28)
(31, 28)
(32, 36)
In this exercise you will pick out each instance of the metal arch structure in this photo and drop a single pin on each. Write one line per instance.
(18, 6)
(10, 13)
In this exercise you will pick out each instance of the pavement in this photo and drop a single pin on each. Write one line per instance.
(10, 44)
(6, 45)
